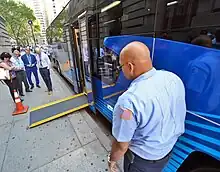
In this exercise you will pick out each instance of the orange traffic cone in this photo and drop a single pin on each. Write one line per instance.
(20, 109)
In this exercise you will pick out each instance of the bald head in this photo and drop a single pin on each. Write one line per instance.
(16, 53)
(135, 59)
(38, 50)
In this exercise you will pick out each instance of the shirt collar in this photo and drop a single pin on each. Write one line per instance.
(145, 75)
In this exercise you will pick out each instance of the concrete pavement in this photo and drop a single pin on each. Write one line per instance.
(74, 143)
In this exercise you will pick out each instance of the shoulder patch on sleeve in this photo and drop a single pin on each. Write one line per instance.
(126, 114)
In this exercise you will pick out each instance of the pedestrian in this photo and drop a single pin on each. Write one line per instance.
(20, 73)
(149, 117)
(7, 65)
(44, 68)
(22, 51)
(30, 63)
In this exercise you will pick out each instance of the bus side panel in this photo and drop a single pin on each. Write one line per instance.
(200, 136)
(195, 65)
(202, 129)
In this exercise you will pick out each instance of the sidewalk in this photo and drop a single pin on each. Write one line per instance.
(74, 143)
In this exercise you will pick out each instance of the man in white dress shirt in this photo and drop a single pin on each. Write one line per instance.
(44, 64)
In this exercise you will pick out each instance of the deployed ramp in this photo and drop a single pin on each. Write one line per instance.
(56, 109)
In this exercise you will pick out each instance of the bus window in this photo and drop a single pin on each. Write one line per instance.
(59, 47)
(187, 20)
(109, 25)
(108, 66)
(193, 30)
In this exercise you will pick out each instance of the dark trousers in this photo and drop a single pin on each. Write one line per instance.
(45, 73)
(29, 72)
(21, 77)
(137, 164)
(12, 85)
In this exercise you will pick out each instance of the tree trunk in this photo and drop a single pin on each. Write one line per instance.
(28, 42)
(17, 41)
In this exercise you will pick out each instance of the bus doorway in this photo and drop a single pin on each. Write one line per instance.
(83, 59)
(77, 50)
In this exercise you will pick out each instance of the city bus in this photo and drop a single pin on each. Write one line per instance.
(183, 37)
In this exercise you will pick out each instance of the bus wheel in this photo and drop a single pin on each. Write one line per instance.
(199, 162)
(58, 68)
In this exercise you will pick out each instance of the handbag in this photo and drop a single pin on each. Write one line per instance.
(4, 74)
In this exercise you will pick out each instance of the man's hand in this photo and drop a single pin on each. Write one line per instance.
(13, 68)
(112, 165)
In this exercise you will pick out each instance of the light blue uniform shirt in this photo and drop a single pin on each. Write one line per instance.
(157, 102)
(17, 62)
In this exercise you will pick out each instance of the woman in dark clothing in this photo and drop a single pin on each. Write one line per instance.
(7, 64)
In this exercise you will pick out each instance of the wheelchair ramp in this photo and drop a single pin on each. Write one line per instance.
(56, 109)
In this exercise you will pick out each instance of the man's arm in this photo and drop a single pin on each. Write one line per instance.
(48, 61)
(23, 60)
(124, 126)
(34, 60)
(118, 150)
(13, 61)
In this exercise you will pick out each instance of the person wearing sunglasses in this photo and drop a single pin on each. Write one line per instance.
(149, 117)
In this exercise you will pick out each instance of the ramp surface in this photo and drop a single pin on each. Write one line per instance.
(53, 110)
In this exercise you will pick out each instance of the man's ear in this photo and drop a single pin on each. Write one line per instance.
(131, 67)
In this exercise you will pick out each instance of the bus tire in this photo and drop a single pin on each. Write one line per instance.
(58, 67)
(199, 162)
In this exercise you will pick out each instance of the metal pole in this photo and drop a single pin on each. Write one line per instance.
(33, 34)
(30, 22)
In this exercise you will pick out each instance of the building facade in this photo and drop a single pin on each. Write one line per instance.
(40, 14)
(5, 43)
(54, 7)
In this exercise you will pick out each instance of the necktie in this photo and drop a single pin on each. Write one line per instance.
(29, 59)
(40, 60)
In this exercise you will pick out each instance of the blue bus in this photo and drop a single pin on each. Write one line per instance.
(183, 37)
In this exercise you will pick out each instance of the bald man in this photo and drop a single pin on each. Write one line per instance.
(149, 117)
(44, 67)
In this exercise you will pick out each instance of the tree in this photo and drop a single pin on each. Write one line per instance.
(16, 15)
(56, 30)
